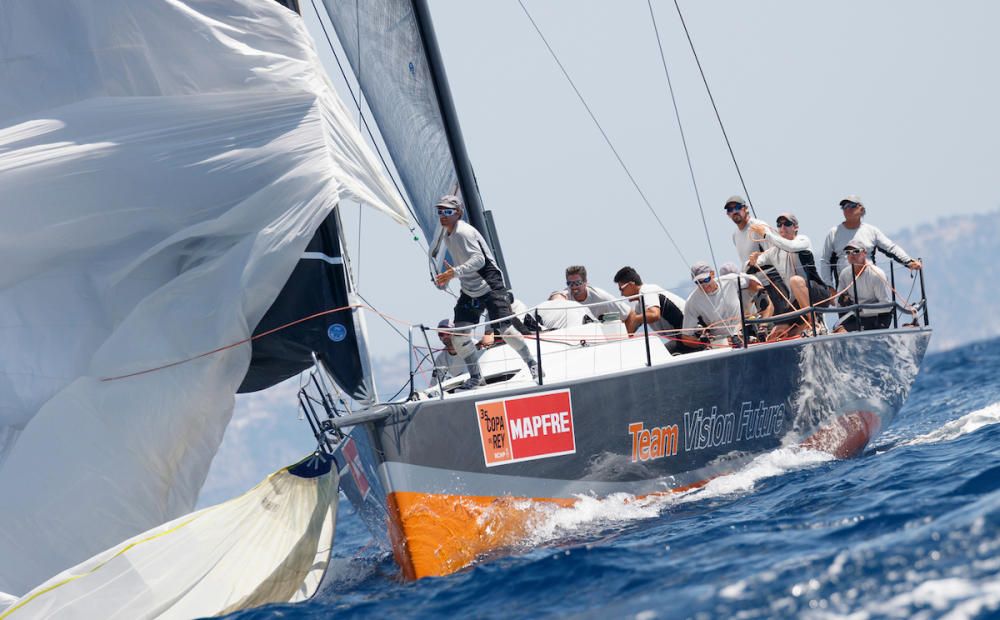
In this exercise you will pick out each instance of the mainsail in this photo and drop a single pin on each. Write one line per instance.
(164, 166)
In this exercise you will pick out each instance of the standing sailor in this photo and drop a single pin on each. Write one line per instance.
(852, 228)
(483, 288)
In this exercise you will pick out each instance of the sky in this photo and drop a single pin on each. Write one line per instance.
(893, 100)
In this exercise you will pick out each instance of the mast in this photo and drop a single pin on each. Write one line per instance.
(478, 216)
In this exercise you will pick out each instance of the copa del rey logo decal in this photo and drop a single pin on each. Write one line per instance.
(526, 427)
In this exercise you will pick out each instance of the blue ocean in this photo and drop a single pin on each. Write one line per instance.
(911, 529)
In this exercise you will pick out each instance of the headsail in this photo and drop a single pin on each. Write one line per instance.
(319, 284)
(158, 187)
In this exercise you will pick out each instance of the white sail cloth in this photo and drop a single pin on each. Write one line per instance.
(269, 545)
(163, 164)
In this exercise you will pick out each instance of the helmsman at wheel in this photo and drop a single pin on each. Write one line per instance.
(483, 288)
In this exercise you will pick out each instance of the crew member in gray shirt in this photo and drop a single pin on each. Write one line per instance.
(853, 228)
(483, 289)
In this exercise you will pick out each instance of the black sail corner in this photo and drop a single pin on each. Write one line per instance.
(318, 285)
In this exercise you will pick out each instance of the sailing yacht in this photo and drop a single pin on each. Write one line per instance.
(183, 243)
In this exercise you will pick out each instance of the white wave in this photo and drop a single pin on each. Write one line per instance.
(591, 514)
(948, 598)
(764, 466)
(964, 425)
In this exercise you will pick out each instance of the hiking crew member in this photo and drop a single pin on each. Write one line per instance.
(872, 288)
(747, 242)
(664, 310)
(579, 290)
(852, 228)
(714, 305)
(483, 288)
(792, 256)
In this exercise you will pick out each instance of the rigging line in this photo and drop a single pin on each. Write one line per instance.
(361, 97)
(621, 162)
(716, 108)
(680, 127)
(381, 156)
(381, 316)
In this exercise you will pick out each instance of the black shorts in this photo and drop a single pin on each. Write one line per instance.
(468, 310)
(783, 301)
(879, 321)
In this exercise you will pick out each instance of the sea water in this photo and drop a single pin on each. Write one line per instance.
(911, 529)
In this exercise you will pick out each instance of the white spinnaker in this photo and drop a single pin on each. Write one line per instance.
(270, 545)
(163, 164)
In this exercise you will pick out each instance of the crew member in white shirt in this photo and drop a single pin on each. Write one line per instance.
(713, 307)
(791, 255)
(598, 301)
(867, 285)
(664, 310)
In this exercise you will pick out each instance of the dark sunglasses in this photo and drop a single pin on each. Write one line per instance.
(853, 251)
(849, 205)
(786, 223)
(574, 283)
(447, 212)
(733, 208)
(705, 280)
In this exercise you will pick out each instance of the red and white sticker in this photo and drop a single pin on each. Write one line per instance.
(524, 428)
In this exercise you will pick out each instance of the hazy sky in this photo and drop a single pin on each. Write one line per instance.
(891, 100)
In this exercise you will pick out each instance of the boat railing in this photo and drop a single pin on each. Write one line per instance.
(421, 348)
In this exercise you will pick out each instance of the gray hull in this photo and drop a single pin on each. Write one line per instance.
(649, 430)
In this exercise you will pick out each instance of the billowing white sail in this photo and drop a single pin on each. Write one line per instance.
(162, 166)
(270, 545)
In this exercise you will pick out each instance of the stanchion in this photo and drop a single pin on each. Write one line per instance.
(645, 329)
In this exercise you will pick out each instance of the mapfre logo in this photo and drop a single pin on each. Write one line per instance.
(526, 427)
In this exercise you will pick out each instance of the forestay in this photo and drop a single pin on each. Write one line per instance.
(163, 166)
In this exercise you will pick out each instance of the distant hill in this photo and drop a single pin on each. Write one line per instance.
(960, 260)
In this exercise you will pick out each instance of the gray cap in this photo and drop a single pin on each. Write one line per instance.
(857, 243)
(787, 216)
(852, 198)
(729, 267)
(700, 269)
(449, 202)
(444, 324)
(735, 200)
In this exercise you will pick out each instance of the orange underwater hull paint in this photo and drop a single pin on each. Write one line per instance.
(847, 436)
(434, 535)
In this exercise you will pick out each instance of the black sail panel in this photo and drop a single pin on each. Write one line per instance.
(318, 284)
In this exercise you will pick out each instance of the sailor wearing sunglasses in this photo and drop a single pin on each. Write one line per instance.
(713, 307)
(483, 289)
(853, 228)
(791, 255)
(867, 285)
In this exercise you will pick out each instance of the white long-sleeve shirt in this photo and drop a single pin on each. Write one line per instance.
(839, 236)
(783, 255)
(873, 288)
(470, 252)
(719, 309)
(746, 243)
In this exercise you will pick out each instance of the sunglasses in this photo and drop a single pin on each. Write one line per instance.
(704, 280)
(733, 208)
(786, 224)
(574, 282)
(853, 251)
(849, 205)
(447, 212)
